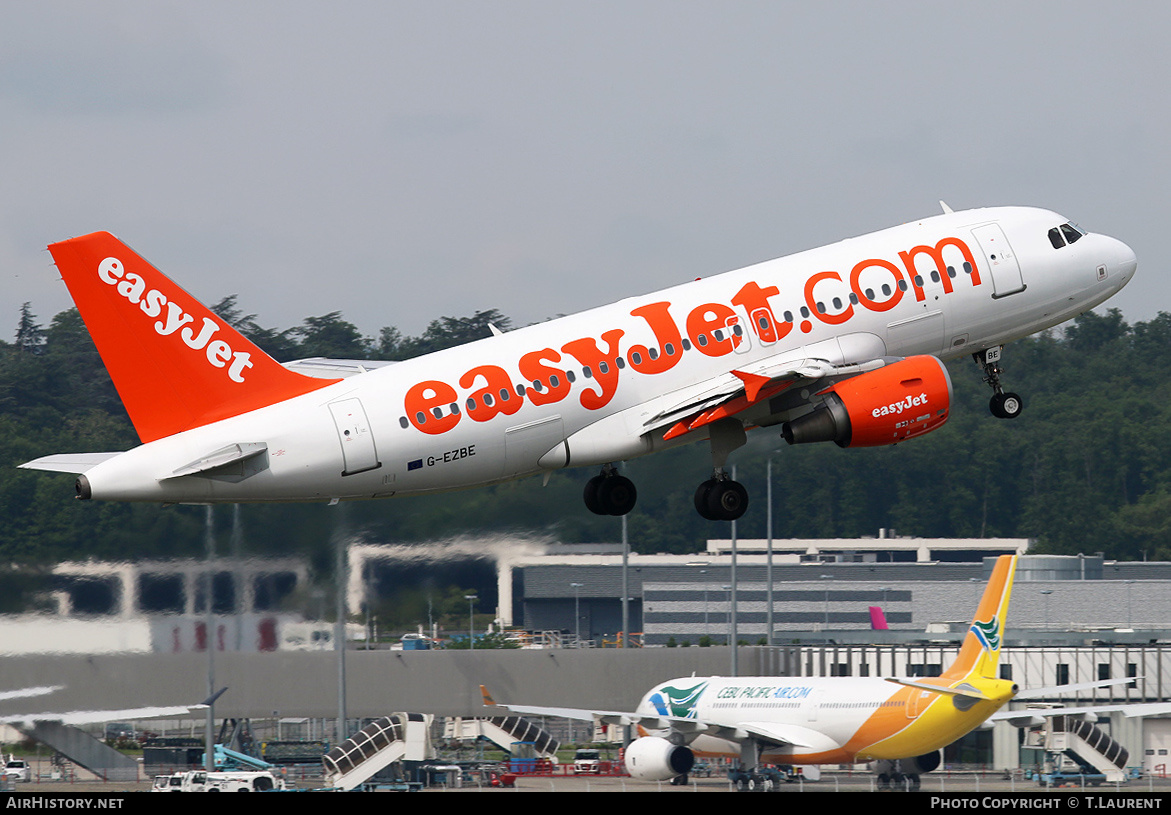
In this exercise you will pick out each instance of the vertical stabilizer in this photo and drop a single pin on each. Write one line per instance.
(175, 364)
(980, 652)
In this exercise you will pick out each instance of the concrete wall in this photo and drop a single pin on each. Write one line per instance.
(378, 682)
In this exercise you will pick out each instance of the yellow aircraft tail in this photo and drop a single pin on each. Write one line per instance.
(980, 651)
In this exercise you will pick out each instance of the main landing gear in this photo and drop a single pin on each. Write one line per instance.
(610, 493)
(717, 499)
(1003, 405)
(720, 498)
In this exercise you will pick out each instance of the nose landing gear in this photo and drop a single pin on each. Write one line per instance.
(1003, 405)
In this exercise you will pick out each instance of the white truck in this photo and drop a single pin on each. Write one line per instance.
(203, 781)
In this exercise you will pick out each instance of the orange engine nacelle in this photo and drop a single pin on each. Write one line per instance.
(900, 401)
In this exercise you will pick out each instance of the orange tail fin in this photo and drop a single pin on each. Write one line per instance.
(980, 651)
(175, 364)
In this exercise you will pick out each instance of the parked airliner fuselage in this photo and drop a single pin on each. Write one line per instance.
(593, 388)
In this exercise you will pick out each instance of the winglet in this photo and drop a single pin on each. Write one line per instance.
(209, 701)
(175, 364)
(488, 700)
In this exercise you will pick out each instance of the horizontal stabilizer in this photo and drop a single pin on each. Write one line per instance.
(221, 458)
(76, 463)
(963, 690)
(324, 368)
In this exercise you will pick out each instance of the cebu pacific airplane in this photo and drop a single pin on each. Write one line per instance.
(818, 720)
(840, 344)
(900, 724)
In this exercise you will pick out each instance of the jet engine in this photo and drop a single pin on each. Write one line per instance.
(651, 758)
(894, 403)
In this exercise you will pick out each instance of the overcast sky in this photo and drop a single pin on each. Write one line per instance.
(399, 161)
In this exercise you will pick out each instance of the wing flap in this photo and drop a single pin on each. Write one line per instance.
(737, 390)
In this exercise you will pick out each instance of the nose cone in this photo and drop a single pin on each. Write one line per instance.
(1121, 262)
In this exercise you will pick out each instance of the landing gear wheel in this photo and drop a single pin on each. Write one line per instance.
(590, 496)
(1006, 405)
(617, 495)
(727, 501)
(701, 493)
(718, 500)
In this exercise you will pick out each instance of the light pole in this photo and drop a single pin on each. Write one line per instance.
(728, 611)
(1129, 624)
(625, 586)
(576, 615)
(706, 632)
(1045, 593)
(471, 598)
(734, 626)
(827, 577)
(768, 571)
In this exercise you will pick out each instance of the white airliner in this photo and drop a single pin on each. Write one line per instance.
(842, 343)
(902, 724)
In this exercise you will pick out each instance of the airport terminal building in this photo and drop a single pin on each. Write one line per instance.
(810, 613)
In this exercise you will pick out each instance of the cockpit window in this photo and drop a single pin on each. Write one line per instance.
(1071, 232)
(1065, 234)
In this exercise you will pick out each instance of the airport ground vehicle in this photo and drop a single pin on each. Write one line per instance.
(17, 769)
(203, 781)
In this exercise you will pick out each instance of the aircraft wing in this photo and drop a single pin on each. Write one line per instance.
(1055, 690)
(784, 735)
(1031, 717)
(650, 722)
(739, 389)
(25, 693)
(772, 732)
(619, 717)
(77, 717)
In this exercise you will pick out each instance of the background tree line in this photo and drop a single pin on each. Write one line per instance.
(1086, 468)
